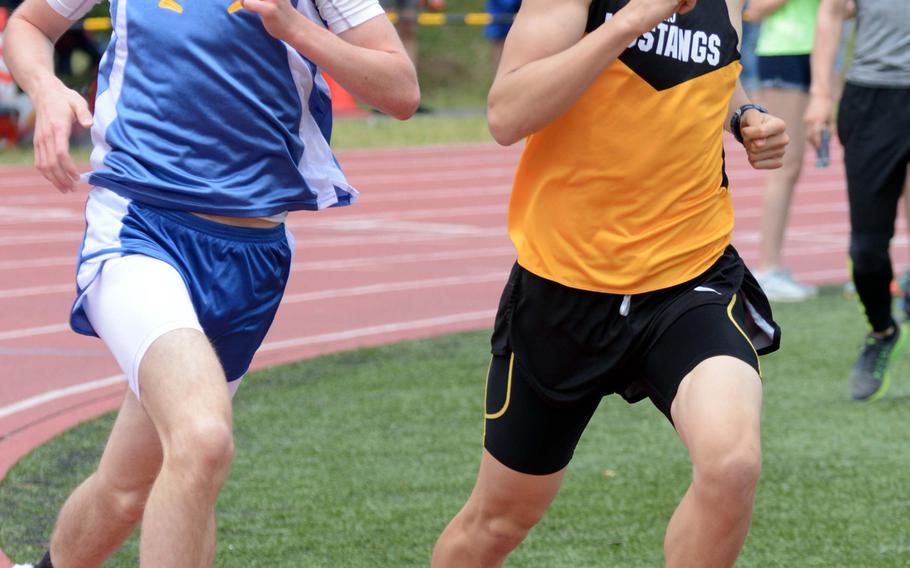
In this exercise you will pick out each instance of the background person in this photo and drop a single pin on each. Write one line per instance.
(873, 120)
(496, 32)
(783, 49)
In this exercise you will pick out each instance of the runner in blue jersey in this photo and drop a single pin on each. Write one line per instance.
(212, 122)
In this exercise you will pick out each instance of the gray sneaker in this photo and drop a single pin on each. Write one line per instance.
(779, 285)
(870, 378)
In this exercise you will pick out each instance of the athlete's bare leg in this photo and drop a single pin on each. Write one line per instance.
(185, 394)
(502, 509)
(789, 105)
(102, 512)
(717, 414)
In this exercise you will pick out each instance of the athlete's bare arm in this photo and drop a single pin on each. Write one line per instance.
(28, 50)
(761, 9)
(764, 135)
(548, 61)
(368, 60)
(829, 26)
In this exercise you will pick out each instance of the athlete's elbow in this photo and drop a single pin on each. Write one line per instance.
(503, 130)
(408, 102)
(403, 103)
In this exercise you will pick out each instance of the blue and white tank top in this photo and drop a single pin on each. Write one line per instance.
(200, 109)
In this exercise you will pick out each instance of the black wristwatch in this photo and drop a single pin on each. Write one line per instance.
(737, 117)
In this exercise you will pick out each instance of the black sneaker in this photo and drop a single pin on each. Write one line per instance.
(870, 378)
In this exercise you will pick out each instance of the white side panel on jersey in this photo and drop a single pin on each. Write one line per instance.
(317, 164)
(106, 104)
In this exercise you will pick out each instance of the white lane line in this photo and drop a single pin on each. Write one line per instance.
(57, 394)
(340, 264)
(429, 176)
(47, 262)
(483, 316)
(391, 224)
(382, 261)
(395, 287)
(37, 291)
(31, 214)
(33, 331)
(479, 316)
(43, 237)
(487, 190)
(803, 209)
(310, 296)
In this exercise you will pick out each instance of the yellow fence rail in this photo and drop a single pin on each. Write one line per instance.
(422, 19)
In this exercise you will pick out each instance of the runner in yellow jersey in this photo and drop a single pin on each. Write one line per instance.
(626, 281)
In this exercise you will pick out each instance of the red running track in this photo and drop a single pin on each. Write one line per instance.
(424, 253)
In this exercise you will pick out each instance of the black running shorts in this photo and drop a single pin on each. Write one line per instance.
(557, 351)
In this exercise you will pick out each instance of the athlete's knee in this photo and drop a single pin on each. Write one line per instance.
(502, 526)
(729, 473)
(869, 253)
(123, 500)
(203, 449)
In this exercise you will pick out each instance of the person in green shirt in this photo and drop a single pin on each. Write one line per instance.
(784, 46)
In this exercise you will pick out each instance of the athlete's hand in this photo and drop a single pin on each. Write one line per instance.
(55, 112)
(644, 15)
(278, 16)
(764, 138)
(819, 116)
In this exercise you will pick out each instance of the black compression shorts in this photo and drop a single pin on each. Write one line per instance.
(557, 351)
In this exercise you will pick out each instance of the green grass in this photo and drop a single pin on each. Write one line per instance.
(359, 459)
(453, 62)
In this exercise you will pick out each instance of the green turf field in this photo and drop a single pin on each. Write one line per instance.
(359, 459)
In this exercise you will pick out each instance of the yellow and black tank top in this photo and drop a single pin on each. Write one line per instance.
(626, 192)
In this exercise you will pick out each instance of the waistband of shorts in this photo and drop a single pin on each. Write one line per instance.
(214, 228)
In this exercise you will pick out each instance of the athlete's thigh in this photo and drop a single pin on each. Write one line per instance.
(718, 407)
(184, 387)
(705, 374)
(695, 336)
(141, 308)
(503, 492)
(135, 300)
(523, 431)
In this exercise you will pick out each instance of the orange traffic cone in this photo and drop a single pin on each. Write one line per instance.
(343, 104)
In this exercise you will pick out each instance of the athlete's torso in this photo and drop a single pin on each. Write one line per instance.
(626, 192)
(200, 109)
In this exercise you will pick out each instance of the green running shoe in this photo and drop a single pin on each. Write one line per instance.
(870, 378)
